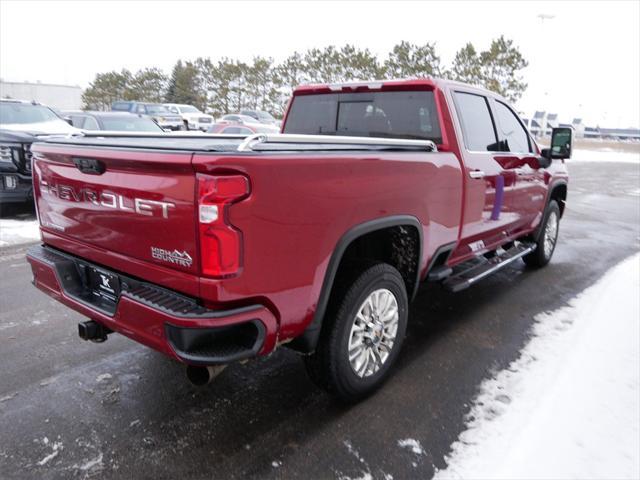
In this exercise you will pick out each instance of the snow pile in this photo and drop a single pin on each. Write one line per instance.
(412, 444)
(14, 232)
(569, 407)
(604, 155)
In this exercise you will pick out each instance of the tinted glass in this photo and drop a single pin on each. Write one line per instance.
(510, 130)
(477, 125)
(24, 113)
(188, 109)
(379, 114)
(130, 124)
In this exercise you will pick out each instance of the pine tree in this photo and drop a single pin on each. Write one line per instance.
(359, 64)
(467, 66)
(408, 60)
(500, 66)
(262, 84)
(107, 88)
(149, 85)
(185, 85)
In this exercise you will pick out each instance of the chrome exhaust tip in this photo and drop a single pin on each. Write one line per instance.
(201, 376)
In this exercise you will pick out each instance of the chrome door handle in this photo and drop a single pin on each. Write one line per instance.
(476, 174)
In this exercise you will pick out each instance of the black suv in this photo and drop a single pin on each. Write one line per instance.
(21, 123)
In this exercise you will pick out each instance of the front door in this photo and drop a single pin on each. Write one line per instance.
(490, 185)
(519, 157)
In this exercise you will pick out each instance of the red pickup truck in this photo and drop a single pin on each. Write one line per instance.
(214, 249)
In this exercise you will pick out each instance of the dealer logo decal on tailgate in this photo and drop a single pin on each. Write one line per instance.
(179, 258)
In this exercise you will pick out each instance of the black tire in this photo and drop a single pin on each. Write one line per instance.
(541, 256)
(329, 366)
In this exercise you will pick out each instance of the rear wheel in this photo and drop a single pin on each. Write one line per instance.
(547, 238)
(363, 333)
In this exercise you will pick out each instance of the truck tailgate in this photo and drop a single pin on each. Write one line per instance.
(140, 204)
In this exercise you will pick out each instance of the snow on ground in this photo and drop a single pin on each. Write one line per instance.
(14, 232)
(412, 444)
(604, 155)
(569, 407)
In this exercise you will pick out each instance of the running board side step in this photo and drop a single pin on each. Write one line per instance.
(471, 272)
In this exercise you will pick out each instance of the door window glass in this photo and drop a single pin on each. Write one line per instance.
(90, 124)
(510, 131)
(477, 125)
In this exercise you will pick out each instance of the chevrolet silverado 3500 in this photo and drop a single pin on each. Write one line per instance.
(214, 249)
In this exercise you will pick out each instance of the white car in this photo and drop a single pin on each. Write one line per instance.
(248, 121)
(193, 118)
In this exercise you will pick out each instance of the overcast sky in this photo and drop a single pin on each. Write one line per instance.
(585, 61)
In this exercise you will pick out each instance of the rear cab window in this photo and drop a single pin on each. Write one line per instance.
(393, 114)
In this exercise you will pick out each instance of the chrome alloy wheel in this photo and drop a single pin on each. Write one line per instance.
(373, 333)
(550, 234)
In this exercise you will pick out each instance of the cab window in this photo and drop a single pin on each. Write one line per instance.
(477, 124)
(391, 114)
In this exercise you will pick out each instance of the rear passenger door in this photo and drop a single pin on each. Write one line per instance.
(519, 157)
(489, 216)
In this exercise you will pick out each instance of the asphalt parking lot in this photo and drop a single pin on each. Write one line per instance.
(72, 409)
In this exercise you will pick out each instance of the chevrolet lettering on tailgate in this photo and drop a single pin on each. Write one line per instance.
(107, 199)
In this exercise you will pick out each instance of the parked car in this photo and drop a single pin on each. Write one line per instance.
(215, 250)
(239, 128)
(156, 111)
(193, 118)
(261, 116)
(21, 123)
(247, 121)
(237, 118)
(112, 121)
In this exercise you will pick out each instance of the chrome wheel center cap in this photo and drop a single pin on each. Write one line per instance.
(378, 330)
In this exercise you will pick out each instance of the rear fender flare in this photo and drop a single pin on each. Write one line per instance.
(308, 340)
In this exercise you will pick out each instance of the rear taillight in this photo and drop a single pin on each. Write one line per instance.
(220, 242)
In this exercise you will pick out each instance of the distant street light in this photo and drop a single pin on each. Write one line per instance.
(546, 16)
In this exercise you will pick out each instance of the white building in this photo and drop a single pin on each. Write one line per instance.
(62, 97)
